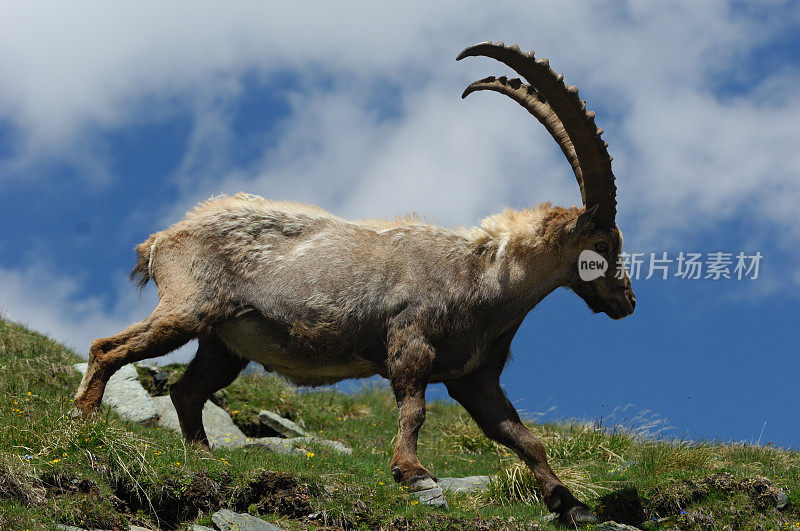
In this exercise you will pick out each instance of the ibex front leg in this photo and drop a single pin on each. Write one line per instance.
(486, 402)
(410, 359)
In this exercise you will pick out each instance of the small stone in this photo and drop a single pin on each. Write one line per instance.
(433, 497)
(613, 526)
(198, 527)
(335, 445)
(126, 396)
(467, 484)
(220, 397)
(296, 444)
(282, 425)
(428, 492)
(227, 520)
(422, 484)
(781, 500)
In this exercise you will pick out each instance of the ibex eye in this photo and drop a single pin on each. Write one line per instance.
(601, 246)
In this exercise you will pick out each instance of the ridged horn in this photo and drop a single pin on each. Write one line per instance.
(558, 107)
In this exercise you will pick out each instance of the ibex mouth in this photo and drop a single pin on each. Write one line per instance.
(616, 309)
(626, 307)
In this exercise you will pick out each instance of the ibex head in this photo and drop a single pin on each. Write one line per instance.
(562, 112)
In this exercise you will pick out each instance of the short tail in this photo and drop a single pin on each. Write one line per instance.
(142, 270)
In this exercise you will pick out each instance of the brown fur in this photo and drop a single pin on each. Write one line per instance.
(318, 299)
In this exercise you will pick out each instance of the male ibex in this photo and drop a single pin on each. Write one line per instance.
(319, 299)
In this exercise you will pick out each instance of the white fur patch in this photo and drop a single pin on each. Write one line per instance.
(150, 258)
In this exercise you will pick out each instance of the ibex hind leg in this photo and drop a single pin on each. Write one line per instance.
(486, 402)
(164, 330)
(213, 368)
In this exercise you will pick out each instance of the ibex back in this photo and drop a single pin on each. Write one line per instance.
(318, 298)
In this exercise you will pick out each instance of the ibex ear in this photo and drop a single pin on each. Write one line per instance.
(583, 222)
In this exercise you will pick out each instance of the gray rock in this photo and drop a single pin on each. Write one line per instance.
(282, 425)
(126, 396)
(613, 526)
(422, 484)
(781, 500)
(220, 397)
(428, 492)
(159, 376)
(62, 527)
(227, 520)
(467, 484)
(198, 527)
(335, 445)
(279, 444)
(297, 444)
(221, 431)
(433, 497)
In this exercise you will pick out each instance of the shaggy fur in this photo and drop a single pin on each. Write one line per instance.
(317, 298)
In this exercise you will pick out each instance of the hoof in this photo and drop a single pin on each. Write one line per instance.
(570, 511)
(81, 410)
(397, 474)
(578, 515)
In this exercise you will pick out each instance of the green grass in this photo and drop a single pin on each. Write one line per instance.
(110, 474)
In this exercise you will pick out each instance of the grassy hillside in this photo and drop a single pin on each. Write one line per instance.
(109, 474)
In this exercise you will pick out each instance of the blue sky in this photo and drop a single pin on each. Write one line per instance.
(115, 120)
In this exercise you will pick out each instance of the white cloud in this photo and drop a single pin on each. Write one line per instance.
(686, 157)
(45, 300)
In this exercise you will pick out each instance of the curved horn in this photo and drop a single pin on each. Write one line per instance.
(562, 112)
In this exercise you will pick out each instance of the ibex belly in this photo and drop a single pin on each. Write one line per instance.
(304, 354)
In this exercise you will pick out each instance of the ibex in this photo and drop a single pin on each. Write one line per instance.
(318, 299)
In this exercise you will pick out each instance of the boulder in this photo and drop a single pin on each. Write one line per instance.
(126, 396)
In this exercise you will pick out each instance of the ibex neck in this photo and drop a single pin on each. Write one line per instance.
(523, 257)
(521, 277)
